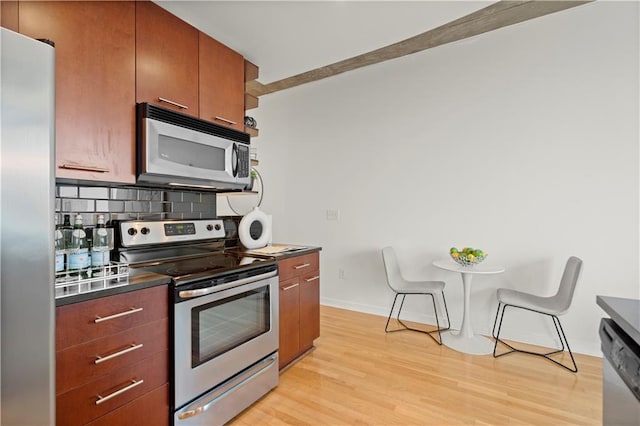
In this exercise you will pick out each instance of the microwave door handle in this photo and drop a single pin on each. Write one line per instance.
(234, 160)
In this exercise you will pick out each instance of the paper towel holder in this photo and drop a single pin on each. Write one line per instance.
(238, 200)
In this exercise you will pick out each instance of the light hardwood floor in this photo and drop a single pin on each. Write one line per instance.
(359, 375)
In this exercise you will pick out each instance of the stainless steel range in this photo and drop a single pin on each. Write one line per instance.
(225, 316)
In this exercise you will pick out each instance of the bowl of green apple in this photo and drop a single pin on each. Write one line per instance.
(468, 256)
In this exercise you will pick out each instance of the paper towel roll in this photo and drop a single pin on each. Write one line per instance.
(255, 218)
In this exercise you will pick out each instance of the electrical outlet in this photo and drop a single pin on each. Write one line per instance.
(333, 214)
(341, 274)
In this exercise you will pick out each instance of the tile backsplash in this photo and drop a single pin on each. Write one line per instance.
(133, 203)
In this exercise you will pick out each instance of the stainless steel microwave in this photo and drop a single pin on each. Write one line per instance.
(177, 150)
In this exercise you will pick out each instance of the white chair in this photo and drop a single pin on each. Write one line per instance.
(400, 286)
(552, 306)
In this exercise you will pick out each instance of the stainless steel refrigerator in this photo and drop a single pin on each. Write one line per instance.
(27, 355)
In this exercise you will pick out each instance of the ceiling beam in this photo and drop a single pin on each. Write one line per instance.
(492, 17)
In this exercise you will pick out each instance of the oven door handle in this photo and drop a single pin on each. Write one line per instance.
(199, 407)
(189, 294)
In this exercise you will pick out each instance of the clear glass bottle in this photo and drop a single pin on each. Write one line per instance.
(67, 229)
(60, 246)
(102, 244)
(79, 260)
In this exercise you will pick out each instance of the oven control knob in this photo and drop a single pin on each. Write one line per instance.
(209, 227)
(132, 231)
(217, 226)
(144, 231)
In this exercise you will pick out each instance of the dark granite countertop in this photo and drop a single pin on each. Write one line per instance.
(624, 312)
(287, 251)
(137, 280)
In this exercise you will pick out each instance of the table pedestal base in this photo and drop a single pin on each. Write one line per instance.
(475, 345)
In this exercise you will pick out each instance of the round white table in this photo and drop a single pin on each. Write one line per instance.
(465, 340)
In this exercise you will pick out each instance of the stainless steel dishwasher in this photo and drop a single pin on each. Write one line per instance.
(620, 376)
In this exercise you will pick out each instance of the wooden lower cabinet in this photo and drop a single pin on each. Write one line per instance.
(149, 410)
(309, 309)
(112, 357)
(81, 405)
(82, 322)
(299, 306)
(109, 353)
(289, 321)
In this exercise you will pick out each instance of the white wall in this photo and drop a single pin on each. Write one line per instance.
(522, 142)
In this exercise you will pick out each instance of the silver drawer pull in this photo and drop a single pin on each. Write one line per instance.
(290, 287)
(226, 120)
(118, 315)
(304, 265)
(133, 347)
(133, 384)
(84, 168)
(173, 103)
(313, 278)
(250, 375)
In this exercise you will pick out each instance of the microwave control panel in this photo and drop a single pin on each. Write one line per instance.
(243, 161)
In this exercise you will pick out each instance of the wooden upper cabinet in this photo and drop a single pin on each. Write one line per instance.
(221, 84)
(166, 59)
(95, 84)
(9, 14)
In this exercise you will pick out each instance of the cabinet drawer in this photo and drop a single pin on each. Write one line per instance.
(150, 409)
(85, 321)
(83, 404)
(299, 265)
(84, 363)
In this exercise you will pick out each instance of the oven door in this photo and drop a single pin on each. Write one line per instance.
(221, 334)
(180, 156)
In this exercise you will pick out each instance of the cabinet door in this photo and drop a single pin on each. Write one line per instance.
(289, 321)
(309, 309)
(95, 84)
(221, 84)
(166, 59)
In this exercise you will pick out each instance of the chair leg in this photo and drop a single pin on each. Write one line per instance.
(438, 329)
(493, 330)
(559, 330)
(386, 327)
(446, 311)
(573, 361)
(406, 327)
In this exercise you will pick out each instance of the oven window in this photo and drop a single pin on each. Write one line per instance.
(190, 154)
(220, 326)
